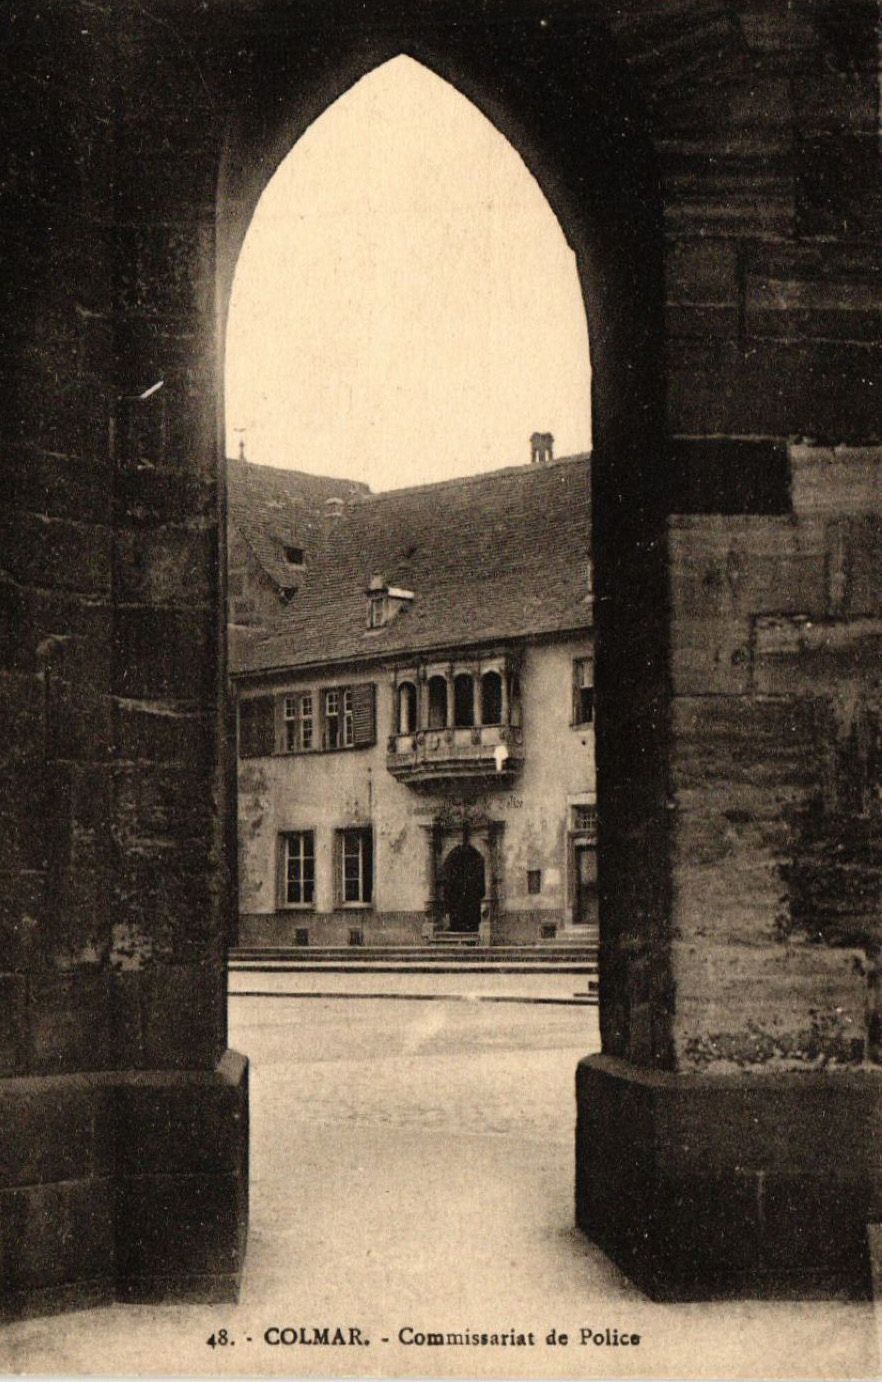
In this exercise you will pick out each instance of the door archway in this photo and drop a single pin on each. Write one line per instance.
(464, 884)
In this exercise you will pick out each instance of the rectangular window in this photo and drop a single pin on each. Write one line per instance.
(534, 880)
(336, 717)
(585, 818)
(306, 721)
(332, 720)
(291, 723)
(298, 722)
(355, 867)
(299, 868)
(583, 691)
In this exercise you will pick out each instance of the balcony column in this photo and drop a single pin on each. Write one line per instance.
(451, 704)
(422, 715)
(504, 677)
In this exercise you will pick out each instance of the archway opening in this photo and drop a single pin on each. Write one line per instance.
(405, 307)
(408, 412)
(423, 762)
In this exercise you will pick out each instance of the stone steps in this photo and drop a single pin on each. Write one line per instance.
(426, 959)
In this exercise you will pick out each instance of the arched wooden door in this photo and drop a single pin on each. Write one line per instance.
(463, 882)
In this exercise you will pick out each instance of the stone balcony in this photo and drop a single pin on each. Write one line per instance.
(434, 759)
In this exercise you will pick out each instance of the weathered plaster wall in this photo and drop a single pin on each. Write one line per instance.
(327, 791)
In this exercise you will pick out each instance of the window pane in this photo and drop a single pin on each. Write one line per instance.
(463, 700)
(491, 698)
(437, 703)
(300, 867)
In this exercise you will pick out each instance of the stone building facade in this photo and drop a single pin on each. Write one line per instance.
(416, 737)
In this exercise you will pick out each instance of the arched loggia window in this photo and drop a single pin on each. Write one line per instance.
(437, 702)
(407, 708)
(491, 699)
(463, 700)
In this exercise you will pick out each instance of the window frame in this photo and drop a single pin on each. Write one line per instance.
(363, 837)
(580, 686)
(304, 837)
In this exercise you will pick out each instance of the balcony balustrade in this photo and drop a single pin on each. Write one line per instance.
(485, 755)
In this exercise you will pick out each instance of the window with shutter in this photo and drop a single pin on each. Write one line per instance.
(364, 727)
(256, 726)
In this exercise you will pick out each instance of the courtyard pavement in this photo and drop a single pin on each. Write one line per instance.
(412, 1169)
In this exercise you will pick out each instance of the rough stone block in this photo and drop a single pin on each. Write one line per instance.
(832, 481)
(837, 295)
(70, 1026)
(167, 269)
(13, 1023)
(166, 566)
(57, 1130)
(716, 1194)
(184, 1015)
(710, 656)
(793, 1006)
(157, 805)
(154, 496)
(162, 731)
(21, 910)
(182, 1125)
(838, 184)
(163, 652)
(177, 1226)
(774, 387)
(164, 904)
(22, 715)
(56, 486)
(711, 475)
(800, 657)
(54, 1235)
(43, 551)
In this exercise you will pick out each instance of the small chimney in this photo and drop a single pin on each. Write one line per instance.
(334, 507)
(541, 448)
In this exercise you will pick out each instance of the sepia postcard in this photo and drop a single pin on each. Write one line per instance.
(441, 689)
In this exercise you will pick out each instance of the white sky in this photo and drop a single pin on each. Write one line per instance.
(405, 307)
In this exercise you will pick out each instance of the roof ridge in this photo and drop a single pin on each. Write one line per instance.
(528, 468)
(246, 465)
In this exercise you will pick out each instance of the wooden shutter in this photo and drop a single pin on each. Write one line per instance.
(364, 728)
(257, 726)
(338, 868)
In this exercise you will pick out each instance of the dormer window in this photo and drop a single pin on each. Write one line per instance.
(294, 556)
(377, 611)
(385, 601)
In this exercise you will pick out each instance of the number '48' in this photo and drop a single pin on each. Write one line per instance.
(220, 1338)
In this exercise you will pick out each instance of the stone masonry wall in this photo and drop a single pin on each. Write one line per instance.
(765, 121)
(777, 777)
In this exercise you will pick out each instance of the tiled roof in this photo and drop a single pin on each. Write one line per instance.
(273, 509)
(496, 556)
